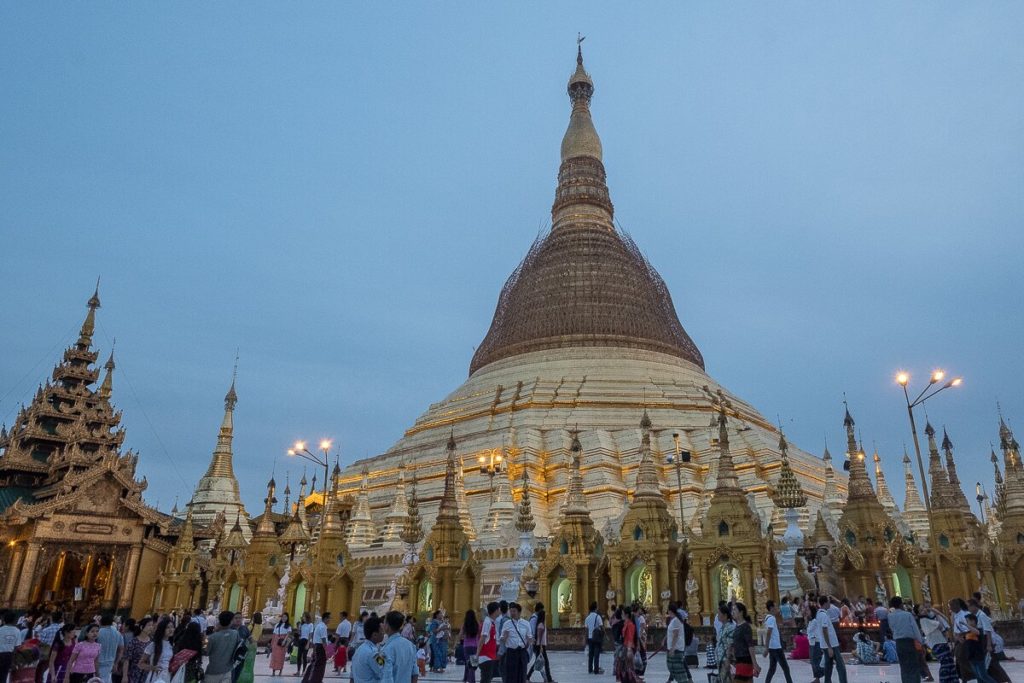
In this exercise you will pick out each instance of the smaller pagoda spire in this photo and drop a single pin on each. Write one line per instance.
(361, 531)
(89, 325)
(524, 515)
(234, 540)
(912, 498)
(1000, 492)
(300, 504)
(647, 480)
(287, 494)
(412, 528)
(186, 539)
(107, 387)
(295, 534)
(860, 484)
(575, 500)
(954, 480)
(940, 489)
(395, 519)
(448, 510)
(727, 480)
(884, 495)
(266, 525)
(460, 498)
(788, 492)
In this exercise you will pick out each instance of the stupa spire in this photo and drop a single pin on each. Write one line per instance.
(395, 518)
(912, 498)
(448, 510)
(940, 489)
(287, 494)
(860, 485)
(583, 284)
(884, 495)
(360, 526)
(460, 499)
(524, 515)
(954, 480)
(412, 527)
(107, 388)
(581, 138)
(89, 325)
(575, 500)
(218, 490)
(788, 492)
(266, 525)
(727, 480)
(647, 480)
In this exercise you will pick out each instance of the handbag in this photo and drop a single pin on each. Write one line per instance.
(474, 661)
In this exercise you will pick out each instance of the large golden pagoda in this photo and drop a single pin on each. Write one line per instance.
(585, 338)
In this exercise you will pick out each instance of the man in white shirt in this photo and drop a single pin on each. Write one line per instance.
(318, 641)
(829, 640)
(675, 649)
(594, 624)
(344, 633)
(517, 638)
(814, 640)
(344, 630)
(776, 655)
(10, 638)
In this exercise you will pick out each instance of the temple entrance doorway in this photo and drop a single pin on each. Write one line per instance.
(726, 583)
(640, 585)
(299, 603)
(234, 595)
(901, 585)
(561, 601)
(425, 600)
(81, 580)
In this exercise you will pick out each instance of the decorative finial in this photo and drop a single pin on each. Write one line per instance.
(231, 398)
(94, 300)
(579, 48)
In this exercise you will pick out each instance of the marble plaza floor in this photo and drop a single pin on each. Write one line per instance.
(569, 667)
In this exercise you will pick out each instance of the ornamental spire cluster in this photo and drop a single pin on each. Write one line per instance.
(788, 492)
(860, 484)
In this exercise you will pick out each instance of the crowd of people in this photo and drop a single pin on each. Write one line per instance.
(962, 642)
(504, 643)
(54, 648)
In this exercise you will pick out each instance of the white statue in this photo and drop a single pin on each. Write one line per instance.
(926, 588)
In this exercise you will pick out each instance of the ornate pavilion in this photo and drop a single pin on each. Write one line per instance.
(588, 457)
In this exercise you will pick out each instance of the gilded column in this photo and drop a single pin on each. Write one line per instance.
(28, 570)
(87, 574)
(58, 572)
(131, 573)
(110, 589)
(12, 579)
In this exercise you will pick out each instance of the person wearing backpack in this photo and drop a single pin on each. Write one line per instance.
(595, 639)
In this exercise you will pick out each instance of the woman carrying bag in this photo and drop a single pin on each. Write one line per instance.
(156, 658)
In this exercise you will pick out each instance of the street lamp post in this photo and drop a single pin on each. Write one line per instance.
(490, 465)
(300, 450)
(678, 459)
(903, 379)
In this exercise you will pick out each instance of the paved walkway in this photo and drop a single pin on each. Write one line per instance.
(570, 667)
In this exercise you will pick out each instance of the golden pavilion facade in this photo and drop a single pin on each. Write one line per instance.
(585, 385)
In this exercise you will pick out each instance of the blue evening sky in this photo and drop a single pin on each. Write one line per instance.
(832, 191)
